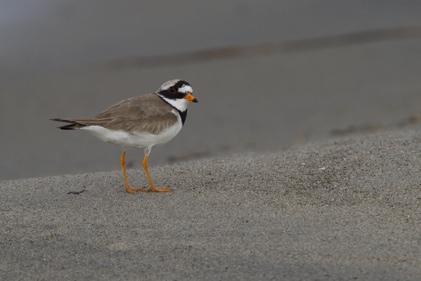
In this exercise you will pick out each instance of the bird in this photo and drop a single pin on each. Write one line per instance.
(140, 122)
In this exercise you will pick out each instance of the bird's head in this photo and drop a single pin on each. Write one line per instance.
(178, 93)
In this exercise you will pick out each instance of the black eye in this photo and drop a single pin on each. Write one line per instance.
(173, 90)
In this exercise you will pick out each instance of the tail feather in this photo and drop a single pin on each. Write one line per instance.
(72, 126)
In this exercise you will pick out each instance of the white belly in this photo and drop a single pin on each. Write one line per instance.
(135, 139)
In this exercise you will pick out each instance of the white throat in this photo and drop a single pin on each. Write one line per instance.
(179, 104)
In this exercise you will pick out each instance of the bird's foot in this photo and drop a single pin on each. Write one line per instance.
(158, 189)
(132, 189)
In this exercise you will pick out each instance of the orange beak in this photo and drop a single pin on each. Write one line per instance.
(190, 97)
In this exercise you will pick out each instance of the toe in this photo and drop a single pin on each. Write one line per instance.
(159, 189)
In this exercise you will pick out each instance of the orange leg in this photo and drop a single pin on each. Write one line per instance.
(152, 186)
(123, 168)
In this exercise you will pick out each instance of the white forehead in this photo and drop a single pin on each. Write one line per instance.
(186, 89)
(169, 84)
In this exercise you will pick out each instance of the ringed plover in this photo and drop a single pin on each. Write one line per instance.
(140, 122)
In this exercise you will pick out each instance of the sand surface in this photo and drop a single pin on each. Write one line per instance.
(301, 160)
(344, 209)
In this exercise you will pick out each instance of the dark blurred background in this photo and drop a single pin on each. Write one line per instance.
(267, 74)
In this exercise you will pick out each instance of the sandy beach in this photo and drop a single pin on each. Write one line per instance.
(345, 209)
(301, 160)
